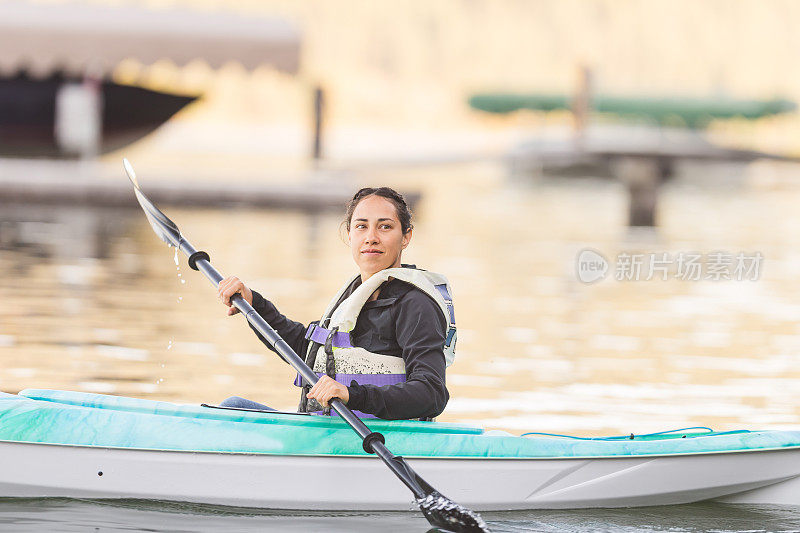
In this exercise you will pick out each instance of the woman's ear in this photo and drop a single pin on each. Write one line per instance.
(407, 238)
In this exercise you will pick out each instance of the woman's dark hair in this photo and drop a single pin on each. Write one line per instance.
(403, 212)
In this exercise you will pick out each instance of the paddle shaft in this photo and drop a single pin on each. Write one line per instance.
(396, 464)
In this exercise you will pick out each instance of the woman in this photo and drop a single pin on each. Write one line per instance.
(384, 342)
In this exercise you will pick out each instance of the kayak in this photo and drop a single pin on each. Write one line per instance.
(82, 445)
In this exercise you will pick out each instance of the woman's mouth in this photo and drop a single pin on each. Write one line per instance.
(372, 252)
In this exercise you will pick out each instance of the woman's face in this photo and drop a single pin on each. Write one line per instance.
(376, 238)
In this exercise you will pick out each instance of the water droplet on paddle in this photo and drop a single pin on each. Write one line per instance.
(176, 257)
(169, 347)
(183, 281)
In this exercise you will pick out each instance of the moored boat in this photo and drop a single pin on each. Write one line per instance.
(71, 444)
(28, 114)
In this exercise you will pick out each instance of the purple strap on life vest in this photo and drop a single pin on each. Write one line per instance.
(318, 334)
(378, 380)
(359, 414)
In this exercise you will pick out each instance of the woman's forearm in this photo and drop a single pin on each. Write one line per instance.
(424, 397)
(292, 332)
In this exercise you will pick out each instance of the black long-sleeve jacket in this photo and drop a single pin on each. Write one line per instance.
(403, 322)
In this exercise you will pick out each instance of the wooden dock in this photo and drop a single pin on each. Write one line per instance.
(61, 182)
(642, 159)
(71, 209)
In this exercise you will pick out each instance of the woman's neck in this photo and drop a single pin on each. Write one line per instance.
(366, 275)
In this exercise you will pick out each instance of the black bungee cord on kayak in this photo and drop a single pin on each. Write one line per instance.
(440, 511)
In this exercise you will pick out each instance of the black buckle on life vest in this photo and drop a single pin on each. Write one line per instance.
(329, 340)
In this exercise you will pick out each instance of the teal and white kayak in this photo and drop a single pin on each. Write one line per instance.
(71, 444)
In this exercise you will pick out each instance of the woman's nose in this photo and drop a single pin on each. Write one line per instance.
(371, 236)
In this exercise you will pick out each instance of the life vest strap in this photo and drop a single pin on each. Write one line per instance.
(447, 300)
(341, 339)
(450, 334)
(318, 334)
(378, 380)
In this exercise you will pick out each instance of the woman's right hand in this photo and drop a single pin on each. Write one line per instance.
(230, 286)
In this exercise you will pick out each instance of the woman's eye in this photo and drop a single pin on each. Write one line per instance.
(386, 226)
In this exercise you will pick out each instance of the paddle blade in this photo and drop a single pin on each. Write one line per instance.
(130, 172)
(446, 514)
(441, 511)
(164, 228)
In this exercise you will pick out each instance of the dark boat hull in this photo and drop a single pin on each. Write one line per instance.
(27, 115)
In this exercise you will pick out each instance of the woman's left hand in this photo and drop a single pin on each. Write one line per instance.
(326, 389)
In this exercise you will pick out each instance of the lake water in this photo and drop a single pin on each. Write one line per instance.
(64, 515)
(92, 301)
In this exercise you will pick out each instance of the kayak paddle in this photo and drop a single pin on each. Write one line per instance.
(440, 511)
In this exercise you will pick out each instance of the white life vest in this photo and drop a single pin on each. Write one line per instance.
(333, 331)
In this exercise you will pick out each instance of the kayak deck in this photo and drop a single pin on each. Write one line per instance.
(64, 417)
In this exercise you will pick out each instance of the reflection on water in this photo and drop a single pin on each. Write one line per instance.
(538, 350)
(25, 515)
(63, 231)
